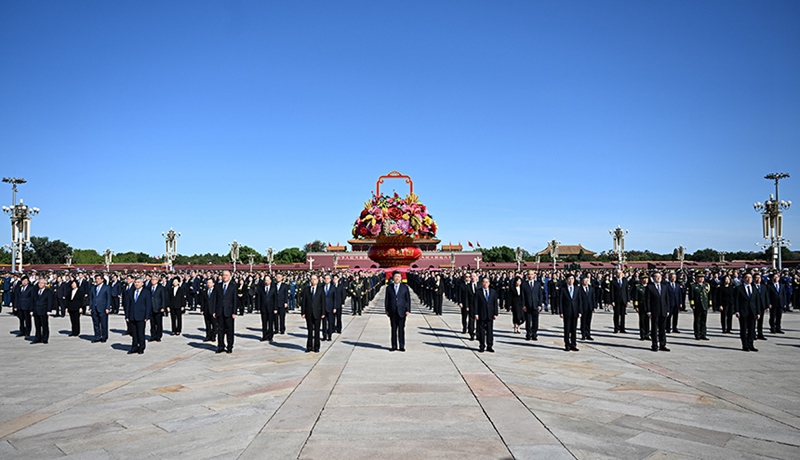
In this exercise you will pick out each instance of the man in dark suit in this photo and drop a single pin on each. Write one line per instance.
(22, 305)
(116, 294)
(138, 311)
(282, 303)
(207, 298)
(266, 299)
(61, 295)
(777, 301)
(532, 302)
(588, 302)
(398, 306)
(331, 307)
(340, 295)
(486, 310)
(158, 301)
(570, 308)
(748, 308)
(100, 304)
(126, 299)
(657, 307)
(761, 290)
(312, 308)
(619, 301)
(227, 304)
(176, 305)
(470, 288)
(42, 306)
(676, 300)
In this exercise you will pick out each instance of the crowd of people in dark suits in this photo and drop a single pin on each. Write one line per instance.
(657, 299)
(220, 296)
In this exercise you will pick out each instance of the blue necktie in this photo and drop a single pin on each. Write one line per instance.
(136, 297)
(486, 294)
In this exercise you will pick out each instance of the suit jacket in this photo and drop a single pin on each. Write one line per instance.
(281, 296)
(313, 307)
(483, 308)
(139, 309)
(761, 290)
(227, 299)
(776, 297)
(74, 303)
(619, 294)
(397, 304)
(746, 305)
(23, 300)
(158, 298)
(331, 298)
(468, 295)
(657, 304)
(532, 297)
(570, 306)
(208, 302)
(267, 300)
(587, 301)
(44, 303)
(116, 289)
(100, 301)
(342, 294)
(676, 295)
(61, 292)
(176, 301)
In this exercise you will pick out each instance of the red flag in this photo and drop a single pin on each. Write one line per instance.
(469, 243)
(479, 245)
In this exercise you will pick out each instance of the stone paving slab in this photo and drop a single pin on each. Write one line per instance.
(441, 399)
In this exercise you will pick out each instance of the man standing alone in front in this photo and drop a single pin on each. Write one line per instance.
(312, 308)
(100, 305)
(486, 311)
(398, 307)
(227, 303)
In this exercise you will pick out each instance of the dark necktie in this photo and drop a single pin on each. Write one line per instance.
(486, 294)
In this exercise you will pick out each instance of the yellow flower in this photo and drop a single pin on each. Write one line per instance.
(406, 216)
(427, 220)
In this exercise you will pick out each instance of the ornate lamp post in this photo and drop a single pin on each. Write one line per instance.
(722, 257)
(538, 260)
(270, 258)
(107, 258)
(772, 220)
(20, 223)
(619, 244)
(250, 259)
(171, 239)
(518, 257)
(681, 255)
(234, 253)
(478, 262)
(452, 260)
(69, 260)
(310, 261)
(553, 247)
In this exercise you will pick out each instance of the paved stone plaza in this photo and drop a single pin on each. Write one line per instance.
(441, 399)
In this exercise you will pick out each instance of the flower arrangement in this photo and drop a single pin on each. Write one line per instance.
(387, 215)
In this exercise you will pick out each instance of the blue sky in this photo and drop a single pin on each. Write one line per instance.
(269, 122)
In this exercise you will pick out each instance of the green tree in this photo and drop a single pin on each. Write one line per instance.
(86, 256)
(44, 251)
(245, 251)
(290, 256)
(498, 254)
(314, 246)
(5, 256)
(131, 257)
(705, 255)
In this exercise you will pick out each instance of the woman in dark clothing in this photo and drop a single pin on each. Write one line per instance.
(74, 303)
(517, 302)
(725, 296)
(176, 305)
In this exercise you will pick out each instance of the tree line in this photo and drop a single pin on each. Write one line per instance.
(44, 251)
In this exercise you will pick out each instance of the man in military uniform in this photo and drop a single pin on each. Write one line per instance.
(700, 301)
(356, 291)
(640, 305)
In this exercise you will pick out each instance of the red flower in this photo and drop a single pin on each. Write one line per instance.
(362, 231)
(395, 214)
(364, 213)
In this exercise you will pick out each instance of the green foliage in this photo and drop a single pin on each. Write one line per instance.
(131, 257)
(314, 246)
(44, 251)
(290, 256)
(86, 256)
(203, 259)
(498, 254)
(245, 251)
(5, 256)
(705, 255)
